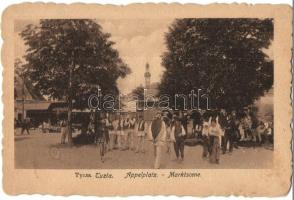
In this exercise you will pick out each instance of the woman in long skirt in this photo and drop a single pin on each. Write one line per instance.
(215, 151)
(64, 128)
(216, 133)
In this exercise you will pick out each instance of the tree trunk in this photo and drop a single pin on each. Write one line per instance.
(69, 111)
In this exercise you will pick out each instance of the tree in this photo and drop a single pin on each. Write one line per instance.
(21, 81)
(18, 74)
(69, 59)
(223, 57)
(138, 94)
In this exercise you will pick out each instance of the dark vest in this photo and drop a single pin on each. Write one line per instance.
(178, 129)
(156, 127)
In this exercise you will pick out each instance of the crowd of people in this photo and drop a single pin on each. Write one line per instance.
(218, 131)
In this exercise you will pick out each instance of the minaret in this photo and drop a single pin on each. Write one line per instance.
(147, 76)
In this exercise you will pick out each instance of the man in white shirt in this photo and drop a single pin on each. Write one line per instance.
(157, 134)
(178, 132)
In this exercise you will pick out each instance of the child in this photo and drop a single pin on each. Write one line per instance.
(241, 130)
(258, 132)
(205, 137)
(268, 131)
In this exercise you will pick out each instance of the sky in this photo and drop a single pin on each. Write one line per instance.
(138, 41)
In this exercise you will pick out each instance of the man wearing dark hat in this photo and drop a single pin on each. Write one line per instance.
(157, 134)
(178, 133)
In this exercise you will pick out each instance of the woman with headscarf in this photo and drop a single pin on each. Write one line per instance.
(216, 133)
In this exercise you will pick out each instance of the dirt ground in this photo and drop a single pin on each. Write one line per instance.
(43, 151)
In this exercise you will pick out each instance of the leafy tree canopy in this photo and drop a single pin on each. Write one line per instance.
(56, 47)
(223, 57)
(138, 92)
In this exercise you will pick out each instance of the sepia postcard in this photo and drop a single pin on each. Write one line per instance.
(147, 99)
